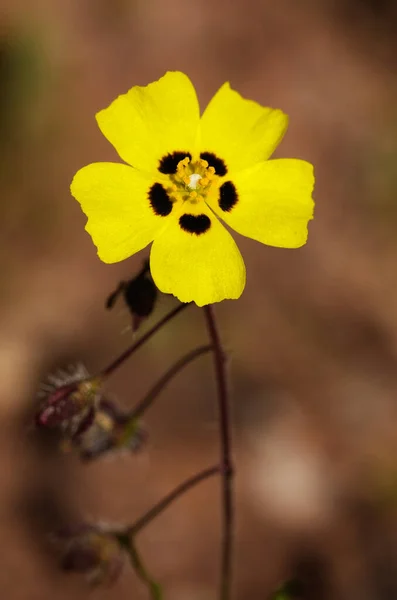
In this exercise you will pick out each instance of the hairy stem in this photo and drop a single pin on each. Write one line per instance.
(127, 353)
(181, 489)
(158, 387)
(142, 572)
(225, 458)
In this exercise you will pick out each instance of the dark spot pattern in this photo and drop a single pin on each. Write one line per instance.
(160, 200)
(228, 196)
(169, 163)
(214, 161)
(196, 224)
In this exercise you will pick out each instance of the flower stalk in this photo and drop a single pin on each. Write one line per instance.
(127, 537)
(106, 429)
(109, 370)
(179, 491)
(158, 387)
(225, 454)
(142, 572)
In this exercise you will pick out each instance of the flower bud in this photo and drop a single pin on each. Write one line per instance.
(93, 552)
(69, 402)
(109, 431)
(57, 408)
(140, 295)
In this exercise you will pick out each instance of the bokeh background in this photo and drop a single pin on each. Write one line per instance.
(313, 339)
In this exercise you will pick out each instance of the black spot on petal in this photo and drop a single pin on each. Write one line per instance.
(168, 164)
(197, 224)
(160, 200)
(214, 161)
(227, 196)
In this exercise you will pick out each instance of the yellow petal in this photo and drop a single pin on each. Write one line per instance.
(115, 199)
(200, 267)
(239, 131)
(273, 202)
(147, 123)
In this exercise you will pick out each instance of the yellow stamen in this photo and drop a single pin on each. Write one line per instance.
(190, 176)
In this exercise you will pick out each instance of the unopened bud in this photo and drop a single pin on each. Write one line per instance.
(93, 552)
(140, 295)
(68, 402)
(57, 407)
(110, 431)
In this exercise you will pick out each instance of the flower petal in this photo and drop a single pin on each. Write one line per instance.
(115, 199)
(238, 131)
(200, 263)
(147, 123)
(272, 202)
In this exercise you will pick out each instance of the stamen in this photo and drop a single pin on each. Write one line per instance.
(216, 162)
(192, 179)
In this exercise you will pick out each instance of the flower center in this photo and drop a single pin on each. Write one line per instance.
(192, 180)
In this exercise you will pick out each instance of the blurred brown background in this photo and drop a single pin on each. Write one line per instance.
(313, 339)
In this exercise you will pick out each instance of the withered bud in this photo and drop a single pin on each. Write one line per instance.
(92, 551)
(109, 431)
(140, 295)
(57, 407)
(68, 402)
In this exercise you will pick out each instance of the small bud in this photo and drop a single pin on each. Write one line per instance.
(69, 402)
(110, 431)
(57, 408)
(93, 552)
(89, 423)
(140, 295)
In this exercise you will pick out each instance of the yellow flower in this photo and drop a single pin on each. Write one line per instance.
(184, 174)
